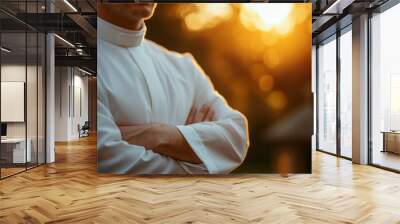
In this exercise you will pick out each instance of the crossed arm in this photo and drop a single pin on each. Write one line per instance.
(166, 139)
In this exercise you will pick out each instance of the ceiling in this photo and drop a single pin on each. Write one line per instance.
(74, 22)
(332, 15)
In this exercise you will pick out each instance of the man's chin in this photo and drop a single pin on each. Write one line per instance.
(143, 6)
(144, 9)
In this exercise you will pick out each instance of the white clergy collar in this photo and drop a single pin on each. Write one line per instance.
(118, 35)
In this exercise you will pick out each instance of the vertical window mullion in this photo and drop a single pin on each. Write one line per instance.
(26, 86)
(317, 95)
(338, 80)
(37, 90)
(369, 100)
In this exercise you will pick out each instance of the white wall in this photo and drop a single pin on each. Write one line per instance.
(80, 83)
(79, 110)
(62, 81)
(70, 83)
(12, 73)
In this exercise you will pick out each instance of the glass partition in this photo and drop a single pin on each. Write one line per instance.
(346, 93)
(327, 96)
(14, 154)
(385, 89)
(23, 91)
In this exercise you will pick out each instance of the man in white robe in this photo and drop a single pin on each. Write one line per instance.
(158, 113)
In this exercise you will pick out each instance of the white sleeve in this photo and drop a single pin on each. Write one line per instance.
(115, 155)
(221, 144)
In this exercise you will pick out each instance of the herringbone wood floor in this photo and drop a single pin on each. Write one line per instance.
(70, 191)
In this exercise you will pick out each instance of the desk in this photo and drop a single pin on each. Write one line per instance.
(13, 150)
(391, 141)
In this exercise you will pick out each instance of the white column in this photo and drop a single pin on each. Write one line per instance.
(62, 103)
(50, 100)
(360, 90)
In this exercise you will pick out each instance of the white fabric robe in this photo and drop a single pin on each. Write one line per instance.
(140, 82)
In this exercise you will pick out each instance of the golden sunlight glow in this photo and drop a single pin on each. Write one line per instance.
(262, 17)
(271, 58)
(265, 17)
(269, 40)
(257, 70)
(266, 83)
(302, 13)
(207, 16)
(277, 100)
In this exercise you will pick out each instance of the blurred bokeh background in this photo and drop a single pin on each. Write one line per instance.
(258, 56)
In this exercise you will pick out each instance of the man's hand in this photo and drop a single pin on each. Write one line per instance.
(206, 113)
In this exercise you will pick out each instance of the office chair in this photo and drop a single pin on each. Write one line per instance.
(84, 130)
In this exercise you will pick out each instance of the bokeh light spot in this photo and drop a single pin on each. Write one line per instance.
(271, 58)
(277, 100)
(263, 16)
(266, 83)
(285, 27)
(207, 16)
(195, 21)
